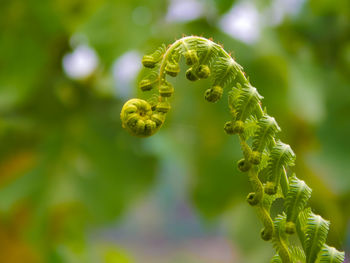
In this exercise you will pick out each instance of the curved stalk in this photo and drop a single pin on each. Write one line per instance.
(267, 155)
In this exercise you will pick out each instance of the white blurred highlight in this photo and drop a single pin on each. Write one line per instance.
(81, 63)
(184, 10)
(242, 22)
(125, 69)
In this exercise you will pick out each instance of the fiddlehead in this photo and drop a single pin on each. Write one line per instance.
(264, 154)
(139, 119)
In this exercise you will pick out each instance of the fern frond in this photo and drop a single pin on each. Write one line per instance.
(207, 52)
(330, 255)
(301, 225)
(233, 99)
(298, 254)
(280, 239)
(197, 51)
(151, 60)
(302, 218)
(265, 158)
(224, 71)
(298, 195)
(149, 81)
(262, 166)
(247, 102)
(250, 127)
(316, 235)
(281, 155)
(192, 44)
(264, 136)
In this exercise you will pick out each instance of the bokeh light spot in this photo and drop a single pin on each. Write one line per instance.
(242, 22)
(81, 63)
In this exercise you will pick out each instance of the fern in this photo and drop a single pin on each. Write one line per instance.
(298, 195)
(316, 235)
(248, 102)
(281, 155)
(150, 61)
(265, 134)
(296, 253)
(330, 254)
(302, 224)
(225, 71)
(265, 157)
(280, 240)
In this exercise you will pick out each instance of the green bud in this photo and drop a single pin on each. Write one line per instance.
(149, 61)
(234, 127)
(270, 188)
(243, 166)
(172, 69)
(266, 235)
(290, 228)
(238, 127)
(163, 107)
(146, 84)
(190, 75)
(255, 157)
(213, 94)
(228, 128)
(203, 71)
(166, 90)
(251, 199)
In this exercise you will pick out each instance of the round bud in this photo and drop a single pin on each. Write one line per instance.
(138, 119)
(203, 71)
(145, 85)
(251, 199)
(213, 94)
(238, 127)
(166, 90)
(190, 75)
(172, 69)
(290, 228)
(243, 166)
(148, 61)
(270, 188)
(191, 57)
(163, 107)
(255, 157)
(265, 235)
(228, 128)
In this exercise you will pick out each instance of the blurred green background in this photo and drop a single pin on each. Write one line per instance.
(75, 187)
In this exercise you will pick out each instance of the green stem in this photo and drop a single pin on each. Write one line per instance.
(256, 185)
(146, 125)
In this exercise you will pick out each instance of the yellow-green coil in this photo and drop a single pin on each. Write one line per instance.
(138, 118)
